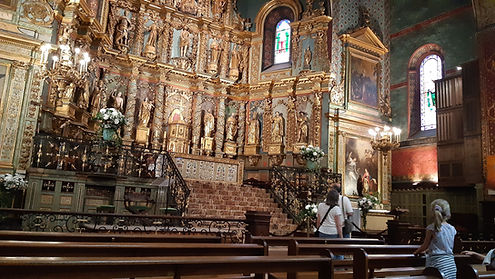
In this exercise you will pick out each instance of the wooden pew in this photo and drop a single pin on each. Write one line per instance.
(365, 264)
(469, 272)
(92, 267)
(284, 241)
(106, 237)
(98, 249)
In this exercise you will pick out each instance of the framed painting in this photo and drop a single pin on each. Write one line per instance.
(364, 80)
(361, 167)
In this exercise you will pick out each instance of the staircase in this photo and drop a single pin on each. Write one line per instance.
(224, 200)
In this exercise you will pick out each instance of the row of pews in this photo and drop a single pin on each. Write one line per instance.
(70, 255)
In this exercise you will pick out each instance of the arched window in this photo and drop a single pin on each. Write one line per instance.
(430, 70)
(282, 42)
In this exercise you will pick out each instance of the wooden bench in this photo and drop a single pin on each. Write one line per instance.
(469, 272)
(105, 237)
(284, 241)
(98, 249)
(365, 264)
(92, 267)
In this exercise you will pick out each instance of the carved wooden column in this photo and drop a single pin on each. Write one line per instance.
(13, 109)
(130, 108)
(267, 122)
(291, 122)
(224, 60)
(316, 116)
(164, 42)
(138, 43)
(241, 128)
(219, 135)
(157, 126)
(30, 120)
(203, 57)
(245, 62)
(196, 122)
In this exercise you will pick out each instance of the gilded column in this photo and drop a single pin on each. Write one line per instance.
(219, 135)
(291, 121)
(196, 122)
(157, 127)
(10, 126)
(138, 43)
(245, 62)
(316, 139)
(164, 42)
(267, 123)
(203, 57)
(224, 62)
(130, 108)
(241, 127)
(33, 106)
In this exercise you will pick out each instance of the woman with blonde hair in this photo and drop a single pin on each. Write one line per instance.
(439, 240)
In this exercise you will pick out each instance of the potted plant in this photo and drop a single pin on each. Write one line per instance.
(312, 155)
(111, 119)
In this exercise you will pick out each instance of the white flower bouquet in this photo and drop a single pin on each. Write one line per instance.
(13, 182)
(312, 153)
(366, 203)
(310, 211)
(110, 118)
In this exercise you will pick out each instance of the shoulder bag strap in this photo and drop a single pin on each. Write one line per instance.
(325, 217)
(343, 208)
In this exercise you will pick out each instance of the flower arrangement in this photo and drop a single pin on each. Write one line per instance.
(365, 204)
(309, 211)
(14, 182)
(312, 153)
(110, 118)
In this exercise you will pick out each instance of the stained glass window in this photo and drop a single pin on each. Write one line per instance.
(282, 42)
(430, 70)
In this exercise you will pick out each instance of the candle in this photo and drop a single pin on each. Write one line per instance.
(55, 59)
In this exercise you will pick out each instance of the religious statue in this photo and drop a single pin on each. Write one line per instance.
(150, 48)
(215, 51)
(218, 8)
(231, 127)
(253, 130)
(98, 92)
(208, 124)
(184, 42)
(188, 6)
(69, 92)
(83, 101)
(302, 127)
(118, 102)
(145, 112)
(307, 58)
(234, 64)
(278, 128)
(121, 39)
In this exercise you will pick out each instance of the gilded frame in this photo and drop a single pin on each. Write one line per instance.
(369, 74)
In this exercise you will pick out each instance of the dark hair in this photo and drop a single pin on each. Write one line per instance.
(337, 187)
(332, 197)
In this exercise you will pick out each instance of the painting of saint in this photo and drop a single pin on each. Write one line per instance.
(364, 88)
(361, 168)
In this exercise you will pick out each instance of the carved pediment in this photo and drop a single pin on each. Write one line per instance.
(365, 39)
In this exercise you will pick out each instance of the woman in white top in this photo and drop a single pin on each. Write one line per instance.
(331, 224)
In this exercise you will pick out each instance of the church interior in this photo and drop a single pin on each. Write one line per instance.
(192, 122)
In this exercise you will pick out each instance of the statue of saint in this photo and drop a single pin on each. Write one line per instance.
(278, 128)
(215, 51)
(235, 59)
(253, 130)
(302, 127)
(208, 124)
(152, 38)
(184, 42)
(189, 6)
(98, 92)
(231, 127)
(307, 58)
(145, 112)
(122, 29)
(83, 101)
(118, 102)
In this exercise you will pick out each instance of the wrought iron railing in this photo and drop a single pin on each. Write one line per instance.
(232, 230)
(99, 158)
(294, 188)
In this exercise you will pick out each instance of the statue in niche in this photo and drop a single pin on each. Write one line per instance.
(234, 64)
(83, 101)
(145, 112)
(278, 128)
(69, 92)
(307, 58)
(208, 124)
(98, 92)
(218, 8)
(117, 101)
(215, 51)
(231, 127)
(150, 48)
(184, 42)
(302, 127)
(188, 6)
(121, 39)
(253, 129)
